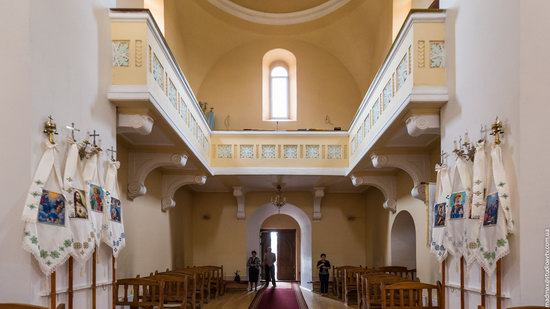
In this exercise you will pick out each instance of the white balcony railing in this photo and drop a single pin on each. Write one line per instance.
(144, 70)
(145, 74)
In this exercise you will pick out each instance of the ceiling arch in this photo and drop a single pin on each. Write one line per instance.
(284, 13)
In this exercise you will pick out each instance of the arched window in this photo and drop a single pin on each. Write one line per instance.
(279, 86)
(279, 92)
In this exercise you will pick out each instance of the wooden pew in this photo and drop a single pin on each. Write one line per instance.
(396, 270)
(338, 275)
(176, 289)
(372, 288)
(143, 293)
(409, 295)
(216, 282)
(350, 281)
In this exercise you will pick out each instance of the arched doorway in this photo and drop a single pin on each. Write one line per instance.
(282, 234)
(254, 224)
(403, 241)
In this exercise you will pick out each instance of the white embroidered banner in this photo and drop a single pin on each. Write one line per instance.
(47, 235)
(497, 217)
(95, 194)
(459, 202)
(114, 234)
(443, 189)
(80, 220)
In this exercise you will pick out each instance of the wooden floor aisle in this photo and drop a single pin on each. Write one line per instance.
(241, 300)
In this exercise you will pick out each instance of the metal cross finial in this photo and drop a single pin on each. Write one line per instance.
(482, 132)
(497, 129)
(94, 135)
(73, 129)
(112, 151)
(50, 128)
(444, 156)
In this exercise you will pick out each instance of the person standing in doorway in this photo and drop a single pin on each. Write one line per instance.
(323, 266)
(254, 265)
(269, 263)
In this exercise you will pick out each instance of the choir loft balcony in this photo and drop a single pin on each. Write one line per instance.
(158, 111)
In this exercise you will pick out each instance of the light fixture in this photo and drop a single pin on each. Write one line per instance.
(278, 200)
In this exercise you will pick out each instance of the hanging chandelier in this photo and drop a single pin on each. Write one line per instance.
(278, 200)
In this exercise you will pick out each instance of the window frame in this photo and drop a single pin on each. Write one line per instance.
(285, 66)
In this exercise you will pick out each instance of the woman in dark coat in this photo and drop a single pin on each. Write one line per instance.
(253, 265)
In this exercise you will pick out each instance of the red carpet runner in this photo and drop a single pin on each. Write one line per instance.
(279, 298)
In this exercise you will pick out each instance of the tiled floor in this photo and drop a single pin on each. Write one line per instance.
(241, 300)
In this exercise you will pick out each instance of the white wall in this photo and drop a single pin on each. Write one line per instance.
(56, 58)
(534, 211)
(496, 64)
(403, 241)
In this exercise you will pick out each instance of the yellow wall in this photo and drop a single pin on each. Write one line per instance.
(234, 87)
(337, 57)
(222, 238)
(149, 232)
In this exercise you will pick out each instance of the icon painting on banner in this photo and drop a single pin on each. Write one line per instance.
(115, 210)
(439, 215)
(96, 198)
(457, 201)
(52, 208)
(80, 210)
(491, 210)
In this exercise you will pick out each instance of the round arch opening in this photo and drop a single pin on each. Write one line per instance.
(403, 241)
(282, 233)
(254, 226)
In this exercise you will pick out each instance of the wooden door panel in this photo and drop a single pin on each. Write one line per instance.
(286, 257)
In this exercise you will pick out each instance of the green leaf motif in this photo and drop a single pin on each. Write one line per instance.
(67, 243)
(55, 254)
(34, 240)
(43, 254)
(39, 182)
(501, 242)
(31, 206)
(35, 194)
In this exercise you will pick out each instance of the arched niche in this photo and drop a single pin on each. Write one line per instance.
(284, 222)
(254, 224)
(403, 241)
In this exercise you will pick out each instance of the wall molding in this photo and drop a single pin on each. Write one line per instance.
(239, 193)
(135, 123)
(318, 194)
(386, 184)
(275, 19)
(171, 184)
(140, 164)
(416, 165)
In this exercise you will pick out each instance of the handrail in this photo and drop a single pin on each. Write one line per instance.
(171, 58)
(391, 54)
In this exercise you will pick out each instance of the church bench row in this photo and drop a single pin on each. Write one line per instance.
(346, 280)
(193, 286)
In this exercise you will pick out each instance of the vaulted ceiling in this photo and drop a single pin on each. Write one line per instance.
(279, 6)
(358, 34)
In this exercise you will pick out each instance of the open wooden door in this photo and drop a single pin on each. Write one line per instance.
(286, 257)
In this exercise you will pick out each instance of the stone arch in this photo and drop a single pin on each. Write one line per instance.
(403, 240)
(253, 226)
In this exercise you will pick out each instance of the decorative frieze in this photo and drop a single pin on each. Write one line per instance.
(121, 53)
(437, 54)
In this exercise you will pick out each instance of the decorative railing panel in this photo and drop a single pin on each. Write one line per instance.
(279, 152)
(414, 71)
(143, 68)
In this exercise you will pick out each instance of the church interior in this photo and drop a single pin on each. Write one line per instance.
(371, 153)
